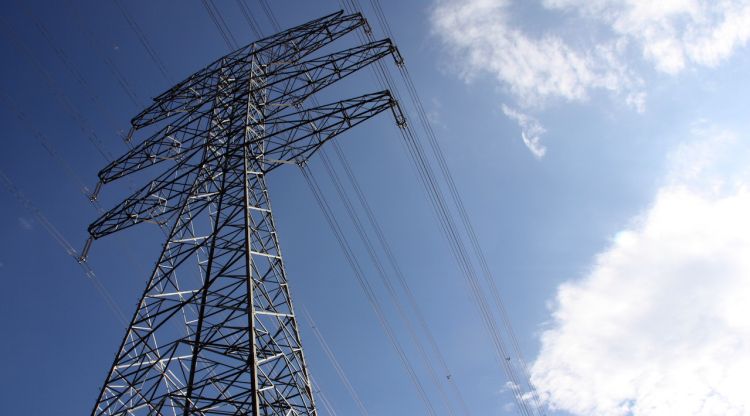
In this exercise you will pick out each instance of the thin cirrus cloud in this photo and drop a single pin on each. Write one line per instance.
(661, 323)
(485, 38)
(531, 130)
(674, 33)
(534, 69)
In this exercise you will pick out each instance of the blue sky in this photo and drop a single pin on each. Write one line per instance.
(599, 148)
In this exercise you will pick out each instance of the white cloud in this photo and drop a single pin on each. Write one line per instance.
(672, 33)
(531, 130)
(485, 36)
(661, 323)
(534, 68)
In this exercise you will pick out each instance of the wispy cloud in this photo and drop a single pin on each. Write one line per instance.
(434, 114)
(661, 323)
(535, 69)
(671, 34)
(531, 130)
(26, 223)
(484, 37)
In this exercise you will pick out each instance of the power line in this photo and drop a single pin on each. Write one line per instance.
(63, 57)
(364, 284)
(459, 252)
(254, 27)
(399, 274)
(220, 23)
(434, 194)
(465, 219)
(384, 277)
(323, 399)
(416, 101)
(95, 46)
(381, 272)
(143, 39)
(269, 13)
(60, 239)
(449, 229)
(335, 363)
(373, 256)
(47, 146)
(66, 103)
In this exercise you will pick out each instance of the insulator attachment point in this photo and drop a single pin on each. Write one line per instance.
(94, 195)
(366, 27)
(129, 136)
(397, 56)
(398, 114)
(85, 251)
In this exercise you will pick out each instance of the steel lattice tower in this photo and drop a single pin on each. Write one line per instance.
(215, 332)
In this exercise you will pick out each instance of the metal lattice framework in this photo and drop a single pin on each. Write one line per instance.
(215, 332)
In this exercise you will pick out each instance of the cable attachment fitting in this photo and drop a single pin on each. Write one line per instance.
(129, 136)
(366, 27)
(85, 251)
(398, 114)
(397, 56)
(95, 195)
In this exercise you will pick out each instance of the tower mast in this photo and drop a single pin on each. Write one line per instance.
(215, 331)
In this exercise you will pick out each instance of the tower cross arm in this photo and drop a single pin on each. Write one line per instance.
(288, 138)
(292, 85)
(298, 141)
(291, 45)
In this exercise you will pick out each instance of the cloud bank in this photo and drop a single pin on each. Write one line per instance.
(661, 323)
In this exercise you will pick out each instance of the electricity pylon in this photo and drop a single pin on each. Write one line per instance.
(215, 332)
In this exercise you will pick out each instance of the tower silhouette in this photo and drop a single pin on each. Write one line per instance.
(215, 332)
